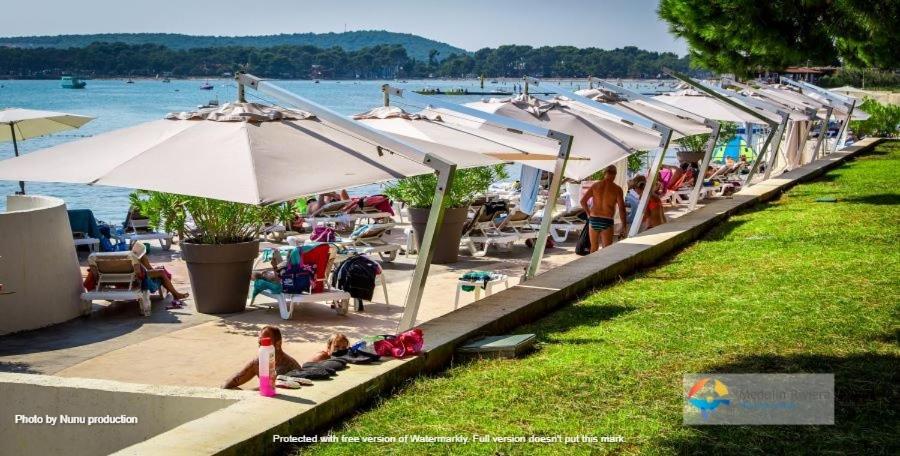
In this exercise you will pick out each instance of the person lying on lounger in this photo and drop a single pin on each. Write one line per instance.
(157, 274)
(283, 362)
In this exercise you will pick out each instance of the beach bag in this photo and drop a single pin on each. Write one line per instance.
(407, 343)
(323, 234)
(583, 244)
(298, 278)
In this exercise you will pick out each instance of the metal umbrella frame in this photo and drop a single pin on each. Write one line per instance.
(514, 126)
(776, 128)
(443, 169)
(713, 125)
(849, 104)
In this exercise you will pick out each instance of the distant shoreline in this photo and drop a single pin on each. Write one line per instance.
(508, 79)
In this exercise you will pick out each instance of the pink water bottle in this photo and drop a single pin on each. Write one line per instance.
(266, 367)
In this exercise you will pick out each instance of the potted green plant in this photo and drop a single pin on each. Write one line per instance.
(692, 148)
(219, 241)
(418, 193)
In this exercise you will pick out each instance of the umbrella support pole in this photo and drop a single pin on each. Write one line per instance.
(652, 175)
(699, 178)
(12, 131)
(823, 131)
(444, 173)
(760, 154)
(839, 140)
(442, 168)
(776, 146)
(565, 147)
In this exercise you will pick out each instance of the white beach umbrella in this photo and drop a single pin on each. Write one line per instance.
(20, 124)
(600, 141)
(241, 152)
(429, 132)
(681, 124)
(711, 108)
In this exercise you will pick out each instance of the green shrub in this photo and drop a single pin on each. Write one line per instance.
(418, 191)
(697, 143)
(884, 120)
(204, 220)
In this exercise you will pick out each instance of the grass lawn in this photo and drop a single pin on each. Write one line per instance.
(795, 286)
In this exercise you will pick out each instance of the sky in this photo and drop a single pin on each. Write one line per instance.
(468, 24)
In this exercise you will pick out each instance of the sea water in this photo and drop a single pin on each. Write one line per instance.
(116, 104)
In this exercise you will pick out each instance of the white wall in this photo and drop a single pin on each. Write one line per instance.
(38, 264)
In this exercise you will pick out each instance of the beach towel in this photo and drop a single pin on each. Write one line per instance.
(530, 180)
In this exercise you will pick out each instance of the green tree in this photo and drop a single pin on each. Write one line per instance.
(746, 36)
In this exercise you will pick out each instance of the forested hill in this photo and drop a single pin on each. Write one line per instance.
(302, 62)
(416, 46)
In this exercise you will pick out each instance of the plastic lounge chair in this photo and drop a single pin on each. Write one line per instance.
(481, 230)
(571, 221)
(346, 213)
(374, 206)
(339, 300)
(117, 280)
(519, 223)
(137, 229)
(370, 239)
(85, 230)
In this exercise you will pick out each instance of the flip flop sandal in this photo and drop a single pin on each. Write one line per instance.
(286, 383)
(173, 305)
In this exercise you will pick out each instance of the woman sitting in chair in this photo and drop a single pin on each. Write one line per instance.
(158, 275)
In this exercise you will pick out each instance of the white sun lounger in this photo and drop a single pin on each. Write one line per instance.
(371, 240)
(116, 281)
(338, 299)
(138, 230)
(563, 224)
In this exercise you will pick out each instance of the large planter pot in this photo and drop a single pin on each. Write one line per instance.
(220, 274)
(449, 233)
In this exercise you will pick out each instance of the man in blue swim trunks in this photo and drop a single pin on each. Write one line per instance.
(601, 201)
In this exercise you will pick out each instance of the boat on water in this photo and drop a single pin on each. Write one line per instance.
(166, 80)
(316, 81)
(206, 86)
(71, 82)
(129, 81)
(211, 104)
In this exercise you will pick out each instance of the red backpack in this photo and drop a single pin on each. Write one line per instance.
(407, 343)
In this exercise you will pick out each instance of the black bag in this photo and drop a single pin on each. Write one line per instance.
(356, 356)
(583, 244)
(356, 275)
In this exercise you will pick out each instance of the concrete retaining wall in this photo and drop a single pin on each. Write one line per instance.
(155, 410)
(38, 264)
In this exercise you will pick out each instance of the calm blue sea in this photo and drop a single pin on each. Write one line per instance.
(116, 104)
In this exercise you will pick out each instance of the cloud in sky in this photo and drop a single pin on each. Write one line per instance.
(465, 23)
